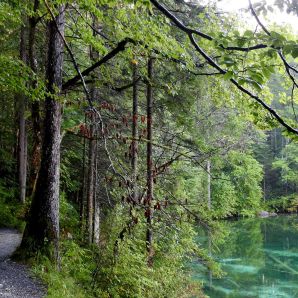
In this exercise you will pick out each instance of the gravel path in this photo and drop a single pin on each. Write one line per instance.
(15, 279)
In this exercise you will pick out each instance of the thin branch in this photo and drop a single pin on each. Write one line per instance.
(247, 49)
(292, 102)
(80, 76)
(177, 22)
(190, 34)
(188, 30)
(129, 85)
(119, 48)
(90, 25)
(286, 64)
(257, 19)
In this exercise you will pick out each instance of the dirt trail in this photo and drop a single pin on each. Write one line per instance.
(15, 279)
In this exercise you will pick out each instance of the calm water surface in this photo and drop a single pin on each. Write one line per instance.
(260, 258)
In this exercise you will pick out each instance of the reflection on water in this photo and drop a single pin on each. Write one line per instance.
(260, 257)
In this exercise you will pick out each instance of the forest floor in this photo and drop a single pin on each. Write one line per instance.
(16, 281)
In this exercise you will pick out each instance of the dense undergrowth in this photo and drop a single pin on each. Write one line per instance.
(11, 210)
(119, 268)
(284, 204)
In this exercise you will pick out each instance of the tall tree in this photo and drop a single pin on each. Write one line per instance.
(42, 228)
(22, 135)
(135, 134)
(91, 175)
(149, 211)
(35, 106)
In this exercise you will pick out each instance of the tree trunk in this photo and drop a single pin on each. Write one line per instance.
(83, 188)
(22, 136)
(42, 228)
(35, 108)
(90, 180)
(96, 217)
(209, 184)
(92, 198)
(135, 135)
(149, 209)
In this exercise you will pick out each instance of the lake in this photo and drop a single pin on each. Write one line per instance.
(260, 258)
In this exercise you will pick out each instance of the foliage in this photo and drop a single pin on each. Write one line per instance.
(199, 118)
(122, 269)
(11, 211)
(288, 164)
(69, 217)
(224, 197)
(89, 272)
(285, 204)
(75, 275)
(236, 186)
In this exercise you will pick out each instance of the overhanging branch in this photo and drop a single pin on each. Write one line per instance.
(288, 67)
(190, 33)
(119, 48)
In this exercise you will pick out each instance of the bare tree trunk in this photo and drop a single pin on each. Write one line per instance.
(209, 184)
(149, 209)
(96, 218)
(83, 188)
(22, 136)
(93, 198)
(42, 228)
(90, 180)
(135, 135)
(35, 108)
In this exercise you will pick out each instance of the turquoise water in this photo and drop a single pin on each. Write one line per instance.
(260, 258)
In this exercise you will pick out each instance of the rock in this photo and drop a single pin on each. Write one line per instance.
(266, 214)
(1, 286)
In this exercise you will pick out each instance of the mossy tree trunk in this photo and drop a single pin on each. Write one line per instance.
(42, 229)
(149, 209)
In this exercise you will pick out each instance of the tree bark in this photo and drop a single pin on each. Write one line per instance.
(42, 230)
(90, 180)
(93, 193)
(149, 209)
(209, 184)
(22, 136)
(83, 188)
(135, 135)
(35, 107)
(96, 215)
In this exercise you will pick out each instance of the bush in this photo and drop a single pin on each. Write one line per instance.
(285, 204)
(124, 273)
(11, 210)
(75, 276)
(121, 271)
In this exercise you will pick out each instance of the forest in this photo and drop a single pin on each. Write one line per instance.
(128, 128)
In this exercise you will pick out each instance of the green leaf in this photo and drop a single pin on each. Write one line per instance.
(241, 82)
(295, 52)
(256, 85)
(228, 75)
(228, 61)
(258, 77)
(248, 33)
